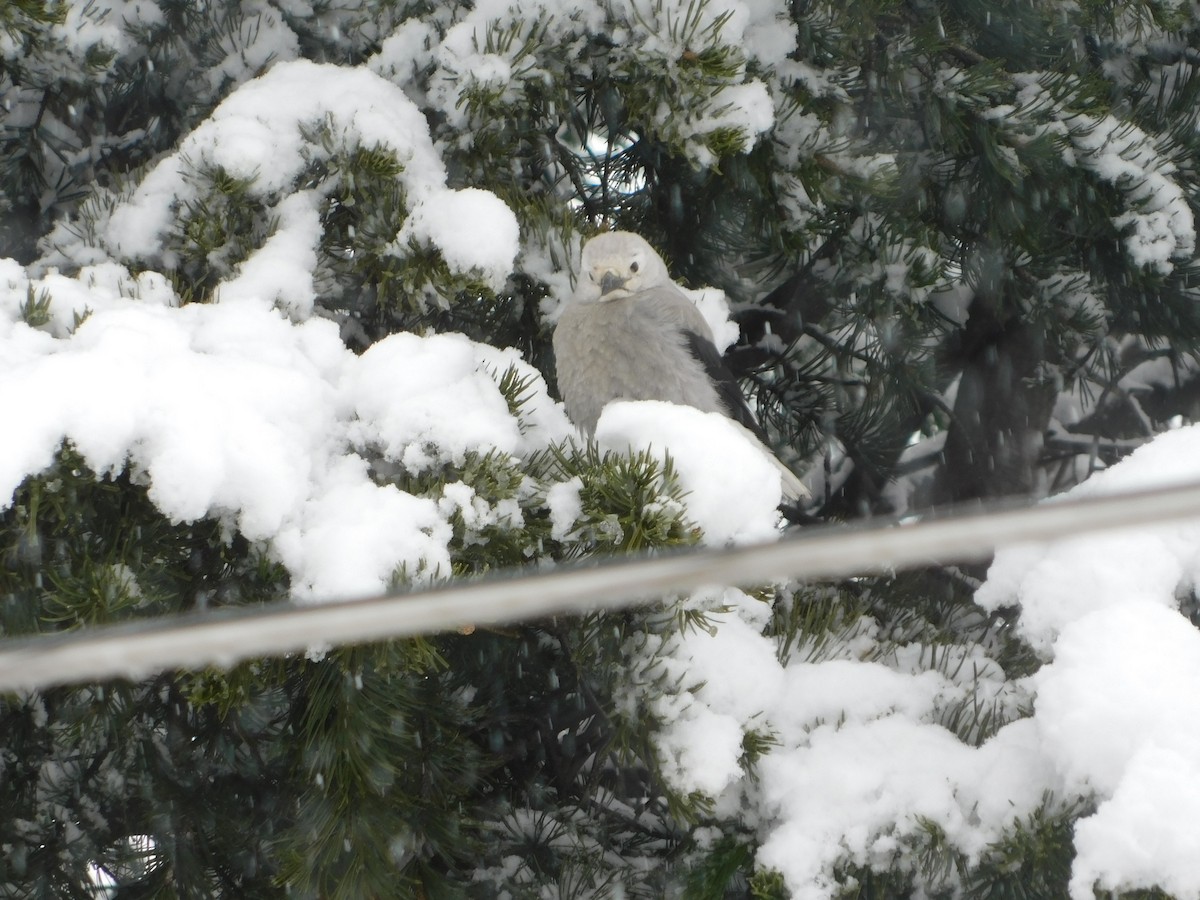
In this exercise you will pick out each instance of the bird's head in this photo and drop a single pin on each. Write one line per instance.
(617, 264)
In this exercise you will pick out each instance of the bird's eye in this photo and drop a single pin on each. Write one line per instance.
(633, 267)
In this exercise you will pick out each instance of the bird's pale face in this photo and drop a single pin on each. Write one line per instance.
(619, 264)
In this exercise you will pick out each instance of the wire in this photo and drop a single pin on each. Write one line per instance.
(226, 636)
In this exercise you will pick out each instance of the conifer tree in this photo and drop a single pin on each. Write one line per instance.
(958, 238)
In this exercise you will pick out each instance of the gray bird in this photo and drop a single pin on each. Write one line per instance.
(629, 333)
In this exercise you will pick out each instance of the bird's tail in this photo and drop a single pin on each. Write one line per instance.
(794, 491)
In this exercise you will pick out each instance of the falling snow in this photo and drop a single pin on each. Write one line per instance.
(251, 410)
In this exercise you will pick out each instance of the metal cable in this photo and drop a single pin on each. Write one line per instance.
(224, 637)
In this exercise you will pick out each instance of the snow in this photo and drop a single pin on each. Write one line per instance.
(744, 107)
(262, 133)
(1101, 705)
(269, 40)
(701, 747)
(482, 52)
(280, 272)
(1121, 711)
(1140, 836)
(1116, 708)
(350, 537)
(405, 51)
(761, 28)
(232, 410)
(413, 393)
(1058, 584)
(86, 26)
(1159, 231)
(714, 306)
(473, 230)
(92, 289)
(251, 410)
(860, 761)
(565, 505)
(863, 763)
(704, 448)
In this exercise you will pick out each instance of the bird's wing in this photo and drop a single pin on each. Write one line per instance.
(668, 304)
(680, 312)
(676, 309)
(723, 381)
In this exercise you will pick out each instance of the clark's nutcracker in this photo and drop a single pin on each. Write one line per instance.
(630, 333)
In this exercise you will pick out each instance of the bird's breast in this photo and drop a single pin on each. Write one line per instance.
(619, 350)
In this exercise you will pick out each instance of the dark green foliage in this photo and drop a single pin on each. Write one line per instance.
(630, 503)
(922, 153)
(377, 769)
(1031, 863)
(767, 886)
(866, 355)
(720, 869)
(122, 764)
(215, 232)
(78, 548)
(361, 217)
(303, 764)
(36, 310)
(124, 761)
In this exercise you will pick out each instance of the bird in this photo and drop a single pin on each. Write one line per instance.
(628, 332)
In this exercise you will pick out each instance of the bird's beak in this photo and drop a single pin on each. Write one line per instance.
(610, 281)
